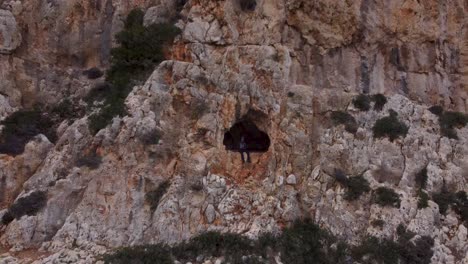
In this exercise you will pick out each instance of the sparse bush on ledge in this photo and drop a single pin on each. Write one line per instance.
(27, 205)
(379, 101)
(140, 49)
(421, 178)
(384, 196)
(423, 199)
(304, 242)
(21, 126)
(344, 118)
(449, 121)
(457, 201)
(362, 102)
(355, 186)
(390, 127)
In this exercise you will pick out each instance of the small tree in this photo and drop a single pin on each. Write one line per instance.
(390, 127)
(362, 102)
(386, 197)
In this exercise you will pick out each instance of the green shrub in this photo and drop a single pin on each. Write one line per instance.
(457, 201)
(390, 127)
(21, 126)
(27, 205)
(305, 242)
(356, 186)
(7, 218)
(448, 121)
(66, 109)
(386, 197)
(362, 102)
(139, 51)
(461, 206)
(232, 246)
(385, 251)
(421, 178)
(423, 199)
(376, 250)
(344, 118)
(151, 254)
(379, 101)
(436, 110)
(92, 161)
(154, 197)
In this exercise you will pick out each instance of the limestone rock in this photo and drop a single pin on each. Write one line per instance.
(10, 33)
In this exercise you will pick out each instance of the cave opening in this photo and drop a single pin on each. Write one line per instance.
(255, 139)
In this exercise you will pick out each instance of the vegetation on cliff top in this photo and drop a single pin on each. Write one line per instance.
(140, 49)
(303, 242)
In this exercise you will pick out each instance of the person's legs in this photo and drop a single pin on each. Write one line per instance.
(242, 156)
(248, 157)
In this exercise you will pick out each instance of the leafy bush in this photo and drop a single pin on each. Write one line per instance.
(139, 51)
(421, 178)
(457, 201)
(374, 250)
(423, 199)
(344, 118)
(93, 73)
(248, 5)
(303, 242)
(92, 161)
(379, 101)
(7, 218)
(386, 197)
(436, 110)
(362, 102)
(27, 205)
(448, 121)
(21, 126)
(151, 254)
(66, 109)
(357, 186)
(232, 246)
(444, 199)
(390, 127)
(153, 197)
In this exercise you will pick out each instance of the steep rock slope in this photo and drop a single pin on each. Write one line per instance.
(284, 66)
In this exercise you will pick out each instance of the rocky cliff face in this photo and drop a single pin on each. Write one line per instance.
(285, 66)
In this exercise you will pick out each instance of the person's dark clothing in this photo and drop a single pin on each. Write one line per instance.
(242, 149)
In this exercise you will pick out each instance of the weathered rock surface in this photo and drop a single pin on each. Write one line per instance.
(284, 66)
(10, 36)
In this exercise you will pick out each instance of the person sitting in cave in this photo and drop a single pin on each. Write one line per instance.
(242, 149)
